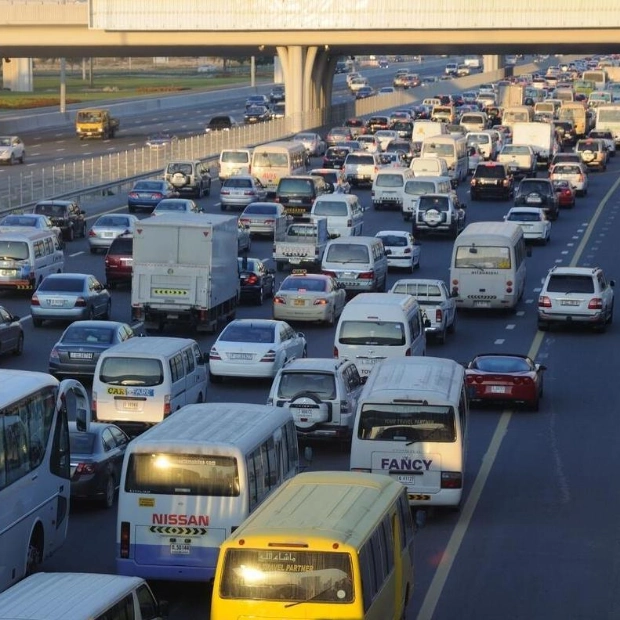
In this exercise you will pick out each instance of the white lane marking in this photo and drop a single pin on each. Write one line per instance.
(76, 254)
(522, 312)
(510, 326)
(499, 341)
(456, 539)
(25, 318)
(558, 260)
(564, 252)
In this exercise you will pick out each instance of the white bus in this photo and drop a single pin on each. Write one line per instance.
(488, 269)
(454, 150)
(190, 481)
(27, 255)
(274, 160)
(608, 119)
(34, 467)
(411, 425)
(597, 76)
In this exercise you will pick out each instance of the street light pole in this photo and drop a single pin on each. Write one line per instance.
(63, 85)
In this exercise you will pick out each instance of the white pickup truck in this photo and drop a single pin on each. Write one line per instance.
(300, 244)
(435, 301)
(520, 159)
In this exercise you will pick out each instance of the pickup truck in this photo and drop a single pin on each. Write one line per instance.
(95, 123)
(300, 244)
(437, 305)
(520, 159)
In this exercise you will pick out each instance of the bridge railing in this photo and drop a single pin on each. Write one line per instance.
(105, 172)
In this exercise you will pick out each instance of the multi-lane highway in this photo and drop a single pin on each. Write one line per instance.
(537, 536)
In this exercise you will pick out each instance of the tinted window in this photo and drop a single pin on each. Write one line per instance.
(121, 245)
(77, 333)
(296, 187)
(322, 384)
(434, 202)
(501, 364)
(303, 284)
(248, 333)
(262, 209)
(360, 160)
(416, 188)
(348, 253)
(496, 172)
(399, 241)
(569, 283)
(68, 285)
(382, 333)
(243, 183)
(389, 180)
(133, 371)
(13, 250)
(82, 443)
(330, 207)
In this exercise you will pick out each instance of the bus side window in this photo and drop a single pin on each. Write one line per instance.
(176, 368)
(388, 535)
(271, 469)
(369, 580)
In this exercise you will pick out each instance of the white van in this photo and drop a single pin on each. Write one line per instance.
(429, 167)
(388, 186)
(419, 186)
(423, 129)
(27, 256)
(484, 141)
(141, 381)
(375, 326)
(474, 121)
(451, 148)
(80, 596)
(411, 424)
(234, 161)
(344, 213)
(359, 264)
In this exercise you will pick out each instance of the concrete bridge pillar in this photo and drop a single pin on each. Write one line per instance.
(492, 62)
(17, 74)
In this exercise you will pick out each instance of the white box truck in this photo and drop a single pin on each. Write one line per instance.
(510, 95)
(185, 271)
(540, 136)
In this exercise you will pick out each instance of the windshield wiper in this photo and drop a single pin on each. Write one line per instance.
(307, 600)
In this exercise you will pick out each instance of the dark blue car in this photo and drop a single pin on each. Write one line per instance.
(147, 194)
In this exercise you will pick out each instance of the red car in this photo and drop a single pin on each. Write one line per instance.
(566, 193)
(498, 377)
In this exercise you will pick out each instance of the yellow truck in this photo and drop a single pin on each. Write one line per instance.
(95, 123)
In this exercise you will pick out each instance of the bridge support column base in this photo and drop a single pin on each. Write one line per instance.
(17, 74)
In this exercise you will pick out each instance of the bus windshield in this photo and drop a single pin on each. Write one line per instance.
(482, 257)
(287, 575)
(407, 423)
(182, 474)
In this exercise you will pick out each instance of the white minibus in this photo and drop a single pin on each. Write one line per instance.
(411, 425)
(608, 119)
(374, 326)
(274, 160)
(488, 269)
(454, 150)
(27, 255)
(81, 596)
(190, 481)
(141, 381)
(234, 161)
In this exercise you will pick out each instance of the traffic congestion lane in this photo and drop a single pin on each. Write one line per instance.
(475, 333)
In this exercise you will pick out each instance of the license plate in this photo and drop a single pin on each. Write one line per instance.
(240, 356)
(7, 272)
(56, 302)
(406, 479)
(81, 356)
(108, 235)
(299, 302)
(498, 389)
(482, 304)
(533, 200)
(180, 549)
(370, 361)
(569, 302)
(131, 405)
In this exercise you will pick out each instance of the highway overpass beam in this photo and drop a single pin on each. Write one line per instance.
(492, 62)
(17, 74)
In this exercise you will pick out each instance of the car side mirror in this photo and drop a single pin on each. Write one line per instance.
(540, 367)
(14, 317)
(427, 323)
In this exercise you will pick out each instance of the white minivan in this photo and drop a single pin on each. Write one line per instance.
(375, 326)
(411, 425)
(429, 167)
(344, 213)
(141, 381)
(419, 186)
(234, 161)
(387, 188)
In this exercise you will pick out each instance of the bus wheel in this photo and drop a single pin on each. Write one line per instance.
(35, 551)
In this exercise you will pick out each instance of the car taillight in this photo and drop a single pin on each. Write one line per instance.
(329, 273)
(280, 301)
(125, 538)
(214, 355)
(336, 352)
(35, 301)
(522, 380)
(320, 302)
(80, 302)
(54, 354)
(157, 195)
(505, 182)
(438, 315)
(269, 357)
(92, 233)
(473, 181)
(224, 192)
(451, 479)
(544, 302)
(249, 192)
(244, 220)
(85, 468)
(133, 194)
(167, 407)
(407, 251)
(596, 303)
(251, 279)
(366, 275)
(271, 222)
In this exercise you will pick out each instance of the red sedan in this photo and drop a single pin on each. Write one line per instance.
(498, 377)
(566, 193)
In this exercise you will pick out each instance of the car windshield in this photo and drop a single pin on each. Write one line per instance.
(172, 205)
(13, 250)
(254, 333)
(372, 332)
(501, 363)
(303, 284)
(322, 384)
(570, 283)
(67, 285)
(78, 334)
(82, 443)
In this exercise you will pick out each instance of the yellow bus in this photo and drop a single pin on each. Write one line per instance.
(327, 544)
(274, 160)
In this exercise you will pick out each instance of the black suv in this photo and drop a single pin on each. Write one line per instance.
(492, 180)
(66, 214)
(222, 123)
(298, 193)
(538, 193)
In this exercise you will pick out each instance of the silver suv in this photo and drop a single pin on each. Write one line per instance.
(361, 167)
(576, 295)
(189, 177)
(322, 395)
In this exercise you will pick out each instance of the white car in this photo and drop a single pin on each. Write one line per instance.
(357, 83)
(315, 145)
(533, 221)
(254, 348)
(574, 173)
(385, 136)
(401, 249)
(12, 150)
(369, 143)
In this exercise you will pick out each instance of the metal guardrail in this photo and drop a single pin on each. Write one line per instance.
(106, 172)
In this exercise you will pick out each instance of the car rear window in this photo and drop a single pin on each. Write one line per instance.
(348, 253)
(69, 285)
(295, 187)
(248, 333)
(134, 371)
(330, 207)
(235, 157)
(322, 384)
(81, 443)
(441, 203)
(569, 283)
(242, 183)
(359, 160)
(417, 188)
(379, 333)
(52, 210)
(261, 209)
(397, 241)
(496, 172)
(389, 180)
